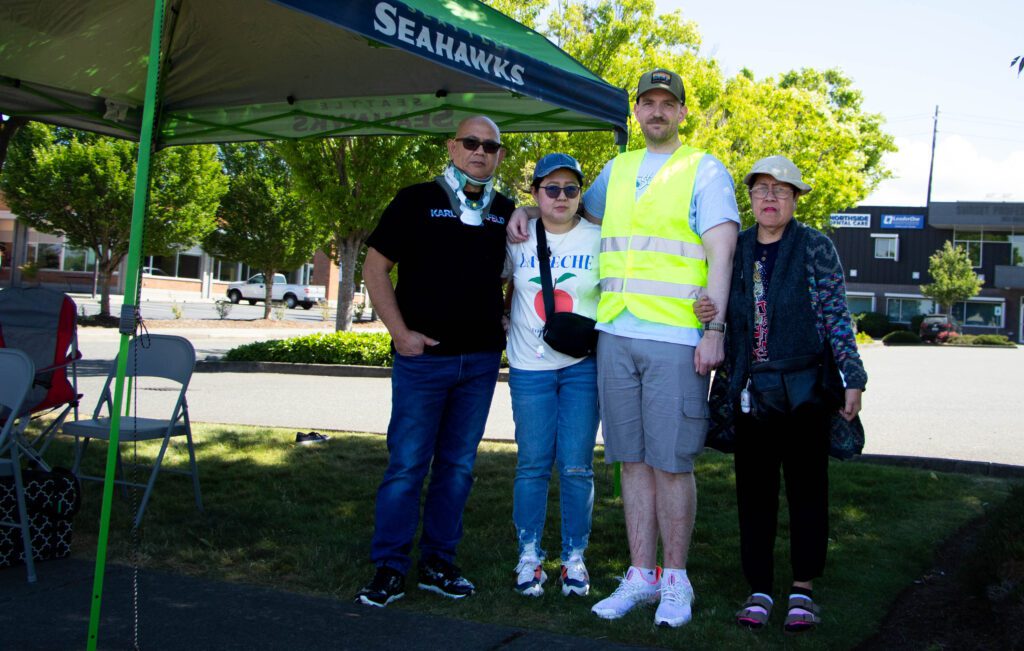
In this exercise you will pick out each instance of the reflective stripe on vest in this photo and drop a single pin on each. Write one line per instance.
(651, 261)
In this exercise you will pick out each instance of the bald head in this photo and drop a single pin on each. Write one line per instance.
(468, 148)
(482, 121)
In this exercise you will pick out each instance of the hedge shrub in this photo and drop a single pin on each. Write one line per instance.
(981, 340)
(875, 324)
(993, 340)
(901, 337)
(357, 348)
(864, 338)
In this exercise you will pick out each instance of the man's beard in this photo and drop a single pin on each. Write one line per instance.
(658, 140)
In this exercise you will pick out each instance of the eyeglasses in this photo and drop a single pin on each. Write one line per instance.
(553, 191)
(472, 143)
(761, 191)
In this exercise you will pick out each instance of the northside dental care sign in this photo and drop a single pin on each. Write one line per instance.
(388, 22)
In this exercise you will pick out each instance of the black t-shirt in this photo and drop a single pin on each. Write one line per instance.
(449, 274)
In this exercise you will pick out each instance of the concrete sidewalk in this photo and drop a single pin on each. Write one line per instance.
(180, 612)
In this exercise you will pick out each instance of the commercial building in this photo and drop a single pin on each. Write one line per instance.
(885, 251)
(188, 274)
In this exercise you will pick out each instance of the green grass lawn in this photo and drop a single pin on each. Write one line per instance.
(301, 518)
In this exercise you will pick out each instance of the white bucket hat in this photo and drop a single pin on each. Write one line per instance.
(781, 169)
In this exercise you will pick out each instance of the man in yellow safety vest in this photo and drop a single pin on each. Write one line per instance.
(669, 223)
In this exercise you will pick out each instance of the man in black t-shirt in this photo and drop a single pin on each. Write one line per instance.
(448, 239)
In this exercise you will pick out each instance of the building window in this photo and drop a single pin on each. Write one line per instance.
(860, 304)
(226, 271)
(45, 256)
(1017, 250)
(181, 265)
(78, 259)
(979, 314)
(887, 247)
(902, 310)
(974, 241)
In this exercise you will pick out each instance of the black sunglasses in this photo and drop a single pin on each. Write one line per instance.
(571, 191)
(472, 143)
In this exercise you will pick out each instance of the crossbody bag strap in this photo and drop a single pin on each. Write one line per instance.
(546, 288)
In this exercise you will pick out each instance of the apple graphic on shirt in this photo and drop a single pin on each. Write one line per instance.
(563, 300)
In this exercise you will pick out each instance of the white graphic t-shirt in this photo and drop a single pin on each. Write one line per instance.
(575, 279)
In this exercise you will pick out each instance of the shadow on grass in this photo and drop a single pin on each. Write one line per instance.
(301, 518)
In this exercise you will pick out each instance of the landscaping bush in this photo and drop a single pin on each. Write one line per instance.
(358, 348)
(961, 340)
(875, 324)
(864, 338)
(901, 337)
(993, 340)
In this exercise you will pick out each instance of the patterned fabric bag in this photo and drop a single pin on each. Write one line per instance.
(52, 499)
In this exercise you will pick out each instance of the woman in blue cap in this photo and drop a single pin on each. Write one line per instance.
(554, 395)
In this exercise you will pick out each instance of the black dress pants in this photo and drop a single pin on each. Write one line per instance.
(798, 444)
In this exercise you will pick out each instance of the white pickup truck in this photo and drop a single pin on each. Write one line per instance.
(255, 289)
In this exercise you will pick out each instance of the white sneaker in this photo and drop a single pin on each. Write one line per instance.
(530, 577)
(633, 589)
(676, 607)
(575, 578)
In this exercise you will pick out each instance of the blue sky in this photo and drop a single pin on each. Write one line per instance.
(906, 58)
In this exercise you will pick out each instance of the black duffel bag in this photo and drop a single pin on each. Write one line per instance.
(52, 500)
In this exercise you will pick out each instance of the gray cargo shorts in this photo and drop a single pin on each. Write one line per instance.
(654, 405)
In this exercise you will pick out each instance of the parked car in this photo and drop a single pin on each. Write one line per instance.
(290, 294)
(154, 271)
(937, 328)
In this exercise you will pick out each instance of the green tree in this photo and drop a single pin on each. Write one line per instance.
(80, 186)
(264, 221)
(348, 183)
(953, 277)
(813, 117)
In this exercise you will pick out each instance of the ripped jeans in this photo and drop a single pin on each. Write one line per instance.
(556, 419)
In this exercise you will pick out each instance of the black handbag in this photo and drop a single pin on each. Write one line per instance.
(52, 500)
(567, 332)
(780, 387)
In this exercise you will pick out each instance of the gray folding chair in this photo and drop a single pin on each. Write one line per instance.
(18, 373)
(152, 356)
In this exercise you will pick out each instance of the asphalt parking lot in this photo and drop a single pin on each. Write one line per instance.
(926, 401)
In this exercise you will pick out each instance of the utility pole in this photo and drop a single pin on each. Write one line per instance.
(931, 165)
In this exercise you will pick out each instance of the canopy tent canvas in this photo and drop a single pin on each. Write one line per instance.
(235, 70)
(238, 70)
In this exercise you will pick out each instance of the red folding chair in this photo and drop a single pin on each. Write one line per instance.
(43, 323)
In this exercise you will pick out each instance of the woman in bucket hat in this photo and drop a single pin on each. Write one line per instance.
(787, 303)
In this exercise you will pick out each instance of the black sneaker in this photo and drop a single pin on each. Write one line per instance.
(388, 585)
(440, 576)
(302, 438)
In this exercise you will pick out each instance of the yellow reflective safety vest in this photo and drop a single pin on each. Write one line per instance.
(651, 261)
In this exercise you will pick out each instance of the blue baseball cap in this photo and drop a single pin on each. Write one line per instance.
(548, 164)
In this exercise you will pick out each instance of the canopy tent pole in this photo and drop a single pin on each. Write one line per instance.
(128, 310)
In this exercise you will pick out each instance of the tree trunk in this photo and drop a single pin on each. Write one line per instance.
(106, 272)
(268, 283)
(348, 251)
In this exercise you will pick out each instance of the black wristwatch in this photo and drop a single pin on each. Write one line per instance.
(717, 326)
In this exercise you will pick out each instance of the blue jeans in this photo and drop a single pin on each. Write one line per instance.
(439, 407)
(556, 424)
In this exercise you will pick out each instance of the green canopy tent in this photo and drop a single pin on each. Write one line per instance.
(242, 70)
